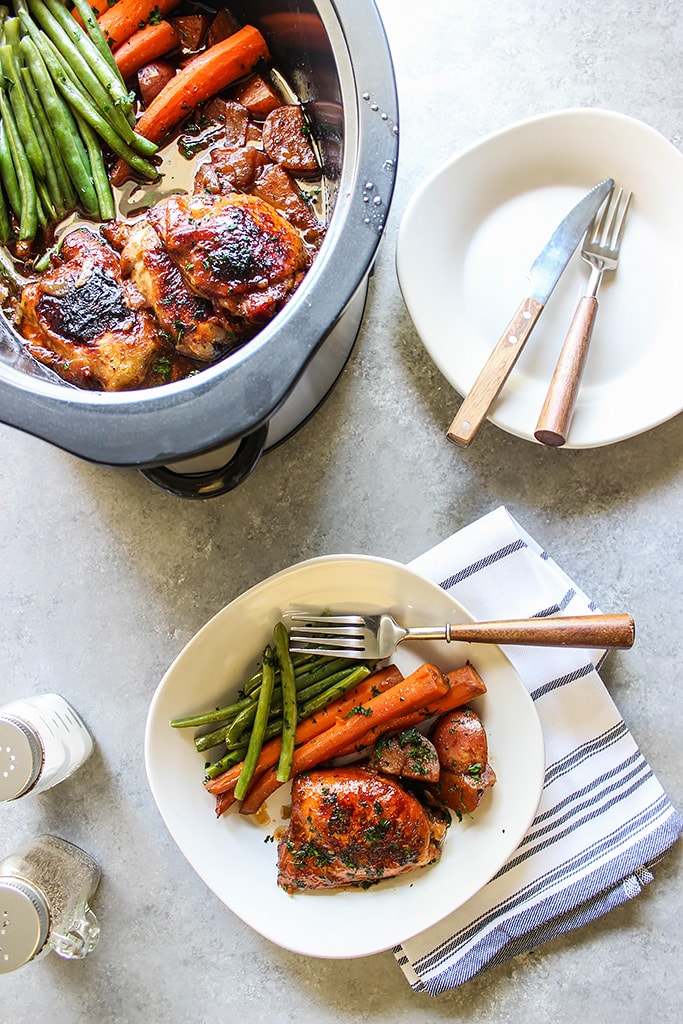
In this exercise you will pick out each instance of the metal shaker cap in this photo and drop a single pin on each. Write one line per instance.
(24, 923)
(21, 757)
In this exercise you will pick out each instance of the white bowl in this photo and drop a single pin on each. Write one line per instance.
(472, 230)
(232, 854)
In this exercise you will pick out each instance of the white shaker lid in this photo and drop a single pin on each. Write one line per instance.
(21, 757)
(24, 923)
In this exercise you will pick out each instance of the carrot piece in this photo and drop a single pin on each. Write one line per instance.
(146, 45)
(120, 22)
(200, 79)
(465, 684)
(224, 801)
(420, 688)
(382, 679)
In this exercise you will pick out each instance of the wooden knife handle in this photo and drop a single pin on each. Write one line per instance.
(488, 384)
(556, 415)
(595, 631)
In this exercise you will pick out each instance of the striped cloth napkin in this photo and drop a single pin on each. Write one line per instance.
(603, 819)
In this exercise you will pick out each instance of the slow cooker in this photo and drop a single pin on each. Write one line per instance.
(335, 55)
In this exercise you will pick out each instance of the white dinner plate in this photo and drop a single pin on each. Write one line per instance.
(233, 856)
(471, 232)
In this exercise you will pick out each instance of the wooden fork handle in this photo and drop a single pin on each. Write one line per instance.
(556, 415)
(497, 367)
(595, 631)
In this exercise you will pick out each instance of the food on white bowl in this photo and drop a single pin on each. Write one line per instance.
(349, 922)
(367, 826)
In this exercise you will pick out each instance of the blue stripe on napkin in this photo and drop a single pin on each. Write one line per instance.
(603, 819)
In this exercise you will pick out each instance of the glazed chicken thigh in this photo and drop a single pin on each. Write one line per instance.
(235, 250)
(189, 320)
(351, 826)
(84, 320)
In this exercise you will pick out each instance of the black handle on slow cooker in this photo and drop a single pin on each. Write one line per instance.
(213, 482)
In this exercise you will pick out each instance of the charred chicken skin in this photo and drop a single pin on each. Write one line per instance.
(351, 826)
(84, 320)
(235, 250)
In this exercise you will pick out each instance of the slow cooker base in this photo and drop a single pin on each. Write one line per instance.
(221, 470)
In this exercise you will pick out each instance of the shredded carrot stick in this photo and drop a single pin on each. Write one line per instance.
(382, 679)
(465, 685)
(200, 79)
(422, 687)
(126, 17)
(146, 45)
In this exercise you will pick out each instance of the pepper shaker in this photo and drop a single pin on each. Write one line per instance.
(45, 891)
(43, 740)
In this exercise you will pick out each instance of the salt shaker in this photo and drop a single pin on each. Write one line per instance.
(43, 740)
(45, 891)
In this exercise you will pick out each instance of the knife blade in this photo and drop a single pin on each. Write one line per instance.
(544, 274)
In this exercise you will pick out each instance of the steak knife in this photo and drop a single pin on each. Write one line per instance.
(544, 274)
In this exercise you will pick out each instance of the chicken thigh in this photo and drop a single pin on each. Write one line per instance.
(81, 319)
(235, 250)
(351, 826)
(188, 320)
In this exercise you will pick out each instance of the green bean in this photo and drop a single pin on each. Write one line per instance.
(110, 99)
(97, 37)
(210, 739)
(22, 116)
(105, 198)
(8, 172)
(225, 762)
(328, 667)
(322, 685)
(54, 15)
(301, 662)
(64, 128)
(5, 222)
(259, 728)
(45, 208)
(52, 188)
(338, 690)
(242, 722)
(289, 709)
(224, 714)
(60, 74)
(28, 220)
(67, 196)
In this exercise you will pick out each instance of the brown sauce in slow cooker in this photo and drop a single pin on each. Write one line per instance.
(197, 262)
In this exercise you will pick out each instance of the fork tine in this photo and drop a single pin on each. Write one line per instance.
(348, 632)
(618, 230)
(608, 228)
(325, 620)
(301, 643)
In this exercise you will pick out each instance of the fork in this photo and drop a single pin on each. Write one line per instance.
(377, 636)
(600, 250)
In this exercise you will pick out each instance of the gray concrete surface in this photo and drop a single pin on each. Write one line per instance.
(104, 578)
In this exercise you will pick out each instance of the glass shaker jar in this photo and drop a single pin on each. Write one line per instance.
(43, 740)
(45, 891)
